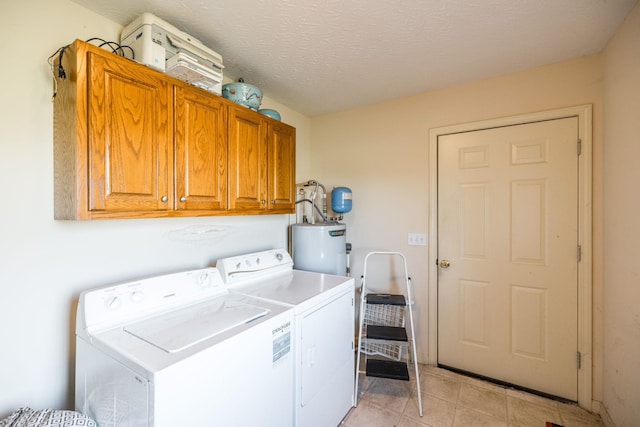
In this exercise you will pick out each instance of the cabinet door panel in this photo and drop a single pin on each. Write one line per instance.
(201, 151)
(282, 170)
(247, 160)
(128, 138)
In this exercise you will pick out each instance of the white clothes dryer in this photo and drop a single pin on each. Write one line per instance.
(324, 329)
(180, 350)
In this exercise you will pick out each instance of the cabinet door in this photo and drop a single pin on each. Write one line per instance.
(282, 167)
(128, 137)
(200, 151)
(247, 160)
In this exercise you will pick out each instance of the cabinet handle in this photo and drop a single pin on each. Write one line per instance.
(165, 199)
(183, 199)
(263, 201)
(273, 202)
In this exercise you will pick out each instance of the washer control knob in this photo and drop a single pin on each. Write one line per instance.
(113, 303)
(203, 280)
(136, 296)
(279, 256)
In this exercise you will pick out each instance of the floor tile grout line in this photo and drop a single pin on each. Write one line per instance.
(552, 408)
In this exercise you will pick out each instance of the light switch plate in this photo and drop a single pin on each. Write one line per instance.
(417, 239)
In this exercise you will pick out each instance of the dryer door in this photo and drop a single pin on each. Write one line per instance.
(326, 363)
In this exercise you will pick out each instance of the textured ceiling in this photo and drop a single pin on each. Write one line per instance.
(321, 56)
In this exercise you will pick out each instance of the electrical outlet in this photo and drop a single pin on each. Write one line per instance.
(417, 239)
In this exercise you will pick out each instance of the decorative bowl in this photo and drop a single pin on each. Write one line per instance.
(270, 113)
(243, 93)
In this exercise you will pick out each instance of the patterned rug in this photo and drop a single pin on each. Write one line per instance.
(27, 417)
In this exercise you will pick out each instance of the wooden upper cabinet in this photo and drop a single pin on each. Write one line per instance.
(131, 142)
(128, 138)
(200, 151)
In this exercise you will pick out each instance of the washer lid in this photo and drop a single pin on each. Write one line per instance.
(177, 330)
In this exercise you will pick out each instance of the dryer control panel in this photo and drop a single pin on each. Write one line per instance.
(257, 265)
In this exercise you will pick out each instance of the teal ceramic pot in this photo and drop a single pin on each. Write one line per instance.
(243, 93)
(270, 113)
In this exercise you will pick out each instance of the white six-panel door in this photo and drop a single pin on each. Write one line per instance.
(507, 250)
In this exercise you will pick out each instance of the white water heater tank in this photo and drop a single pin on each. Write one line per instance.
(320, 247)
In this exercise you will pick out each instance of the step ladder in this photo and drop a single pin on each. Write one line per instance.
(382, 336)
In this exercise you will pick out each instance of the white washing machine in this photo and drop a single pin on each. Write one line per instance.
(180, 350)
(323, 340)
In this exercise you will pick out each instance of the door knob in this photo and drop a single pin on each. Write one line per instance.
(445, 264)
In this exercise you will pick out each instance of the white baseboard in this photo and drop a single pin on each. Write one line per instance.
(599, 408)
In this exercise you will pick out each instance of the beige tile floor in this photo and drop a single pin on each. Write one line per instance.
(454, 400)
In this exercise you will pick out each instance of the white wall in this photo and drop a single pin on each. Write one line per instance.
(45, 264)
(381, 152)
(621, 226)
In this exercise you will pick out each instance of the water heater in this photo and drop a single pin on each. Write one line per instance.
(320, 247)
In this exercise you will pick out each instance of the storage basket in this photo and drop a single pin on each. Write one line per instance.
(383, 315)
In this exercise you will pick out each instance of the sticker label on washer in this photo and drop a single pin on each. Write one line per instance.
(281, 341)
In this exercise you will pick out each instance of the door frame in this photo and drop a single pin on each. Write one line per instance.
(585, 314)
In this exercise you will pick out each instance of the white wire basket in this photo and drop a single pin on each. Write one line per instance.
(383, 315)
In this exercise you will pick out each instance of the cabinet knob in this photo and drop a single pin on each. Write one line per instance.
(264, 202)
(165, 199)
(273, 202)
(183, 199)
